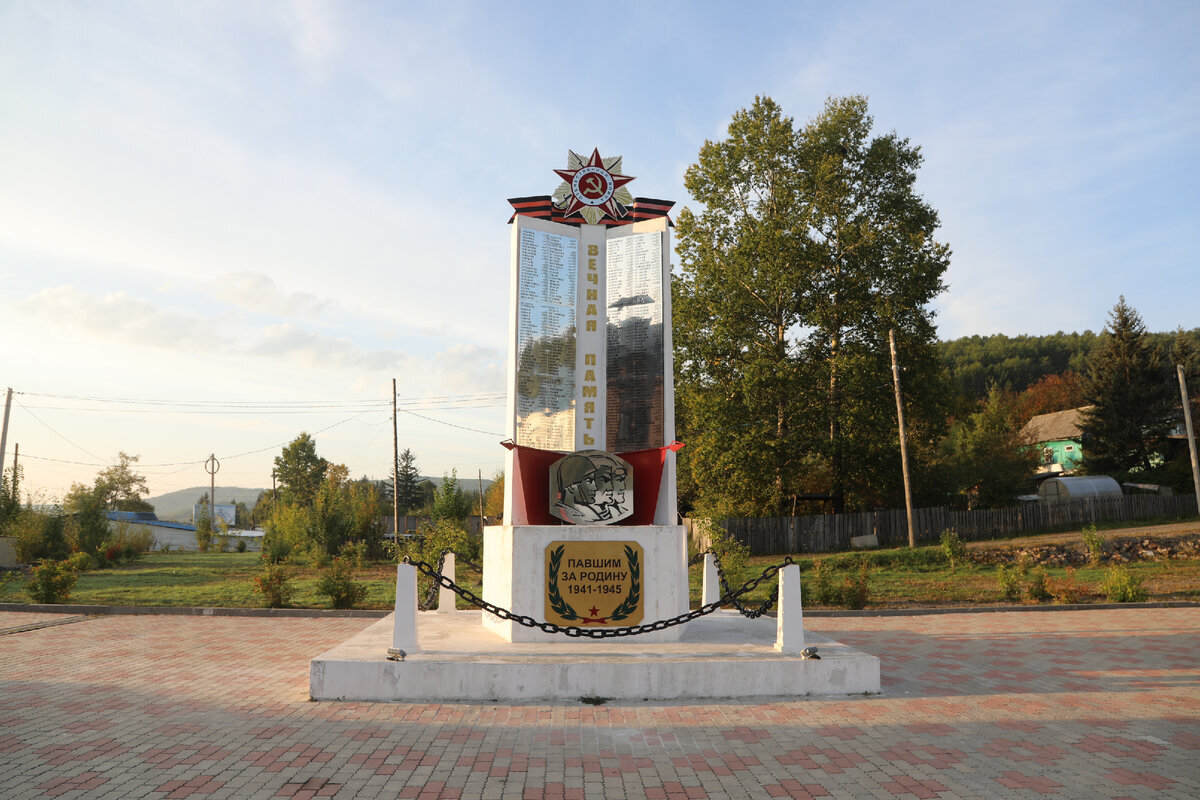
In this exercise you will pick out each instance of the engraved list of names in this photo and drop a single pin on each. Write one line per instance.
(635, 342)
(547, 268)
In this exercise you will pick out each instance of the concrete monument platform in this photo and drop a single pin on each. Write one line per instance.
(722, 655)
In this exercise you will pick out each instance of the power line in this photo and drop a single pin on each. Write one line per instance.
(450, 424)
(56, 433)
(485, 399)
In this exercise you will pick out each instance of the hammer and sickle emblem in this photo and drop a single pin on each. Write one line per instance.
(593, 185)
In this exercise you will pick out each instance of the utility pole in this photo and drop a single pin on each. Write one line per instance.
(480, 476)
(211, 465)
(1187, 419)
(4, 427)
(395, 468)
(912, 536)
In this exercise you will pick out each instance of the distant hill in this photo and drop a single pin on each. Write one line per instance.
(974, 363)
(177, 506)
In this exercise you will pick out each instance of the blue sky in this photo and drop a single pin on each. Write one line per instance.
(269, 210)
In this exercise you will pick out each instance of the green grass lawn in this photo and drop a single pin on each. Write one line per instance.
(897, 578)
(920, 578)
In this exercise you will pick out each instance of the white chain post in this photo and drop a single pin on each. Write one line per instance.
(447, 597)
(789, 628)
(404, 630)
(711, 592)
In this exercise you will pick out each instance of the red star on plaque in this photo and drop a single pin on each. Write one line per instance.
(593, 188)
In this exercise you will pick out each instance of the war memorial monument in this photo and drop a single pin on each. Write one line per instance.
(585, 584)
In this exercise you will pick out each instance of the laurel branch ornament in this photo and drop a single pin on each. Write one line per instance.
(627, 606)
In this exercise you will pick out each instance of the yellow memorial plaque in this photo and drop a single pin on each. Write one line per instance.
(594, 584)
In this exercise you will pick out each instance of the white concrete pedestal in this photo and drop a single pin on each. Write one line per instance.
(514, 573)
(722, 655)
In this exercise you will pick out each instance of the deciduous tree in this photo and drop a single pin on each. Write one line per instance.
(450, 502)
(300, 471)
(1052, 393)
(811, 244)
(121, 488)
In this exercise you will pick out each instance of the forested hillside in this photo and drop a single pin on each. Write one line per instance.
(1014, 363)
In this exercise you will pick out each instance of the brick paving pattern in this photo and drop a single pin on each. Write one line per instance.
(1065, 704)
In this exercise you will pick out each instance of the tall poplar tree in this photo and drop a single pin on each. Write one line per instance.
(1124, 429)
(300, 471)
(810, 245)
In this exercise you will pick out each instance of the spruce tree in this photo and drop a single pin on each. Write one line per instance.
(408, 492)
(1128, 419)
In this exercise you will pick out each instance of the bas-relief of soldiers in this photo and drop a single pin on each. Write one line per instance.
(591, 487)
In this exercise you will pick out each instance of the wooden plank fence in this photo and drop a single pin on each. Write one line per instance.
(828, 533)
(410, 523)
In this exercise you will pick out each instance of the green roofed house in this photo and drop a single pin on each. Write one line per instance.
(1057, 437)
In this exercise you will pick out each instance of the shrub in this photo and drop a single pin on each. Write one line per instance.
(1036, 588)
(1067, 590)
(855, 589)
(822, 591)
(52, 582)
(241, 546)
(732, 553)
(89, 527)
(110, 553)
(954, 548)
(204, 533)
(1122, 586)
(1010, 583)
(275, 586)
(1093, 543)
(39, 536)
(355, 552)
(317, 556)
(81, 562)
(27, 533)
(1024, 563)
(828, 586)
(338, 584)
(276, 549)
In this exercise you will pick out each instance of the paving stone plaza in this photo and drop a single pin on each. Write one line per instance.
(1088, 704)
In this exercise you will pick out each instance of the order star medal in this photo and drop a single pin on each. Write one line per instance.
(593, 188)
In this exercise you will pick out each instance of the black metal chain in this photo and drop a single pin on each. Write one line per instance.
(593, 633)
(745, 611)
(431, 595)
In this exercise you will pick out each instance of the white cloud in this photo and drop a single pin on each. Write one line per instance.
(470, 369)
(119, 316)
(258, 292)
(288, 341)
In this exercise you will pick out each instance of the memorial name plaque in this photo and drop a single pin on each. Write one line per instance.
(635, 342)
(594, 583)
(545, 390)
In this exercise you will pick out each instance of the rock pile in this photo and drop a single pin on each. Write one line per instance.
(1116, 551)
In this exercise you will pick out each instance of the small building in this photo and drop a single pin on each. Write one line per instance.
(1078, 487)
(177, 535)
(1058, 439)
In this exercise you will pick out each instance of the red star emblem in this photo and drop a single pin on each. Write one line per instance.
(593, 189)
(595, 612)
